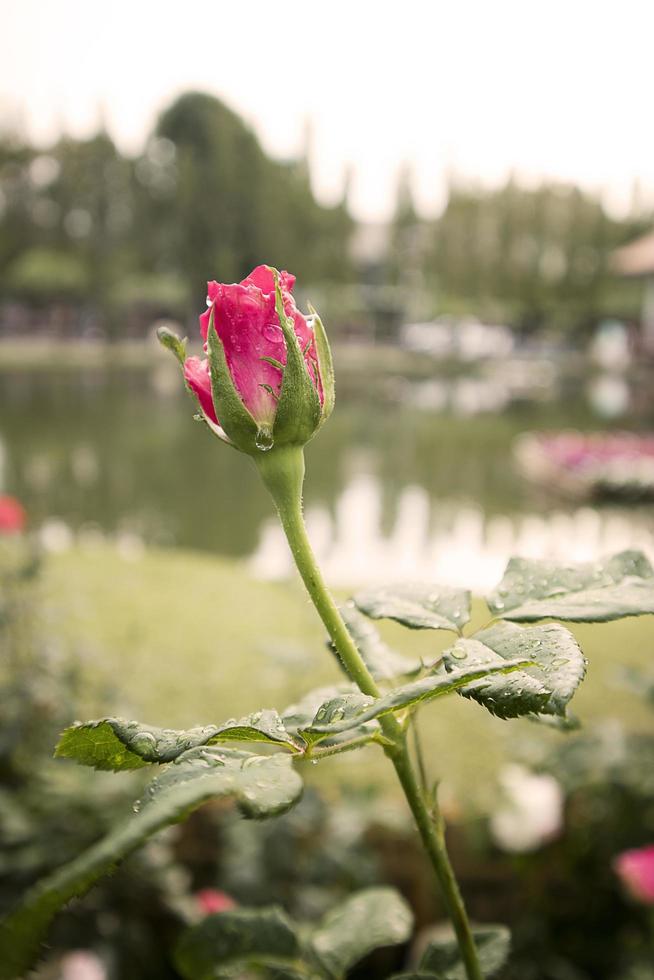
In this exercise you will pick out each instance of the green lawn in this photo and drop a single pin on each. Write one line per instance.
(178, 638)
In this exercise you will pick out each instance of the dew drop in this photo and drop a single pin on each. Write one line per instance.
(272, 332)
(264, 438)
(143, 743)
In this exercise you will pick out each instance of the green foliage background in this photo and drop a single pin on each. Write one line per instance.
(115, 241)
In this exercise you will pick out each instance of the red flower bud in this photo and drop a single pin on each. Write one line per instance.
(249, 372)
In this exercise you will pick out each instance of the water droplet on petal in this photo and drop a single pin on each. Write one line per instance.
(272, 332)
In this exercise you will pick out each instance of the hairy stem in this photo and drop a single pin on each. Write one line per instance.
(419, 754)
(430, 827)
(282, 471)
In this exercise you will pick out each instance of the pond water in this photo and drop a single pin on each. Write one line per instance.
(410, 477)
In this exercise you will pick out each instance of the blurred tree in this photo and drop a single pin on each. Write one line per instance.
(124, 241)
(233, 207)
(91, 238)
(408, 241)
(533, 257)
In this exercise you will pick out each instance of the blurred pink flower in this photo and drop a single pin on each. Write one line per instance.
(636, 871)
(248, 326)
(12, 516)
(211, 900)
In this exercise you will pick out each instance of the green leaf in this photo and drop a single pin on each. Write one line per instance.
(298, 718)
(425, 689)
(417, 605)
(342, 708)
(442, 956)
(544, 688)
(261, 786)
(383, 663)
(236, 938)
(300, 715)
(369, 919)
(298, 410)
(589, 592)
(325, 364)
(232, 414)
(114, 743)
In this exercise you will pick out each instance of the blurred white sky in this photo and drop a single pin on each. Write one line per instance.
(552, 88)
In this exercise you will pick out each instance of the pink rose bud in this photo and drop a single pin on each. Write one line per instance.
(210, 901)
(268, 377)
(636, 871)
(12, 516)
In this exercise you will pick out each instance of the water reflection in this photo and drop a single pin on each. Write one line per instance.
(442, 542)
(411, 477)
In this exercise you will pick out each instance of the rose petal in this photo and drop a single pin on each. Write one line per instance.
(248, 327)
(263, 278)
(196, 374)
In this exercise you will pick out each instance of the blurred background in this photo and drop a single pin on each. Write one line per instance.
(466, 193)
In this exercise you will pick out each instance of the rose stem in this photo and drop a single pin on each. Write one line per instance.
(282, 470)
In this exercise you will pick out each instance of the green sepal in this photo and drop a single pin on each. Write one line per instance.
(298, 410)
(168, 339)
(325, 364)
(234, 417)
(177, 347)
